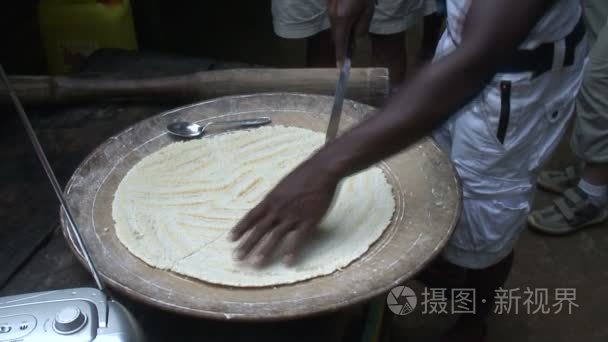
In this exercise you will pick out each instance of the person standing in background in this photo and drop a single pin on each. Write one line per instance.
(433, 27)
(497, 99)
(583, 194)
(297, 19)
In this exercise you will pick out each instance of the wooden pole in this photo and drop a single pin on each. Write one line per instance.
(367, 85)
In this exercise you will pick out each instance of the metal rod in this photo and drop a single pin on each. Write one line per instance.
(49, 172)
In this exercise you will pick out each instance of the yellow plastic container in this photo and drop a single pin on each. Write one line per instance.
(73, 29)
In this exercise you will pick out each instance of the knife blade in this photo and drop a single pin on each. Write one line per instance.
(336, 111)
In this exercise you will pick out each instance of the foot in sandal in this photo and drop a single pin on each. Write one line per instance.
(558, 181)
(570, 212)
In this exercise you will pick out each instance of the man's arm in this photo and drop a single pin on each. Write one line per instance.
(493, 30)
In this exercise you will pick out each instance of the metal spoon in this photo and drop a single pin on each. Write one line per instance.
(191, 130)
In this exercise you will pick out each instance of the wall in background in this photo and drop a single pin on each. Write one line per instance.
(227, 30)
(232, 30)
(20, 48)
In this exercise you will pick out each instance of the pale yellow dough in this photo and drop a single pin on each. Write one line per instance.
(175, 208)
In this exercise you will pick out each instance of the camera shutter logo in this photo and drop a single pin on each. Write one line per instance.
(401, 300)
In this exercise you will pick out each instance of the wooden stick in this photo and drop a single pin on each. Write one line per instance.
(367, 85)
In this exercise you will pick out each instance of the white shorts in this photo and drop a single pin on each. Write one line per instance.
(498, 166)
(304, 18)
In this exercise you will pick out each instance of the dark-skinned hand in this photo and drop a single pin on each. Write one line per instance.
(286, 216)
(289, 213)
(295, 207)
(348, 17)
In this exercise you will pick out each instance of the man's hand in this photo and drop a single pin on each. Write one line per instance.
(287, 215)
(492, 31)
(348, 17)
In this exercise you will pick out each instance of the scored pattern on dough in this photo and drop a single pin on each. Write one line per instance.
(175, 207)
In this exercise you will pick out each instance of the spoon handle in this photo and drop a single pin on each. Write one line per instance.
(242, 123)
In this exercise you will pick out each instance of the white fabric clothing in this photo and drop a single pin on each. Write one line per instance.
(304, 18)
(498, 178)
(553, 26)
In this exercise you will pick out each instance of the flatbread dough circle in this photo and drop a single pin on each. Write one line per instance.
(175, 207)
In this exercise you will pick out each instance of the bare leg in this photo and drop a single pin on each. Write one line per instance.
(596, 174)
(388, 50)
(432, 32)
(445, 275)
(320, 52)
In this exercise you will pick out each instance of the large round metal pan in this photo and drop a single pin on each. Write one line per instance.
(426, 190)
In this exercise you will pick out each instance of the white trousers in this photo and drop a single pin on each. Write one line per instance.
(497, 143)
(304, 18)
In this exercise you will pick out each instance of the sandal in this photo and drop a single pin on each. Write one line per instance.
(570, 212)
(560, 180)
